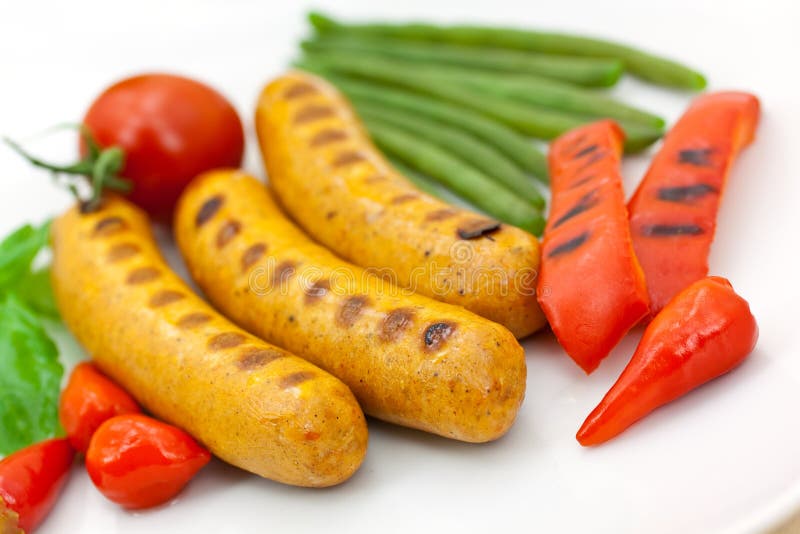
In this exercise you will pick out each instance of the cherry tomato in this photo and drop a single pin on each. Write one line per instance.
(171, 129)
(88, 400)
(30, 482)
(138, 462)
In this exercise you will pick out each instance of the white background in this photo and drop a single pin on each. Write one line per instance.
(723, 459)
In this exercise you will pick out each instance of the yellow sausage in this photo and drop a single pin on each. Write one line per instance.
(252, 404)
(330, 178)
(409, 359)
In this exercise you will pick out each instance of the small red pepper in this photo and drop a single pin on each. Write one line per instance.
(139, 462)
(30, 482)
(703, 332)
(88, 401)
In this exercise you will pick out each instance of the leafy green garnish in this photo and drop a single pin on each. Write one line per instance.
(30, 372)
(18, 250)
(30, 378)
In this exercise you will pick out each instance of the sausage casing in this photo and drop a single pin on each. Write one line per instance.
(330, 178)
(409, 359)
(252, 404)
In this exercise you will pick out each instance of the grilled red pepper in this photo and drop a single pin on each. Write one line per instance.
(590, 287)
(88, 400)
(702, 333)
(30, 482)
(673, 212)
(139, 462)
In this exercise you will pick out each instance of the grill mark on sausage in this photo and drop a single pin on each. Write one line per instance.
(142, 275)
(477, 228)
(440, 215)
(295, 379)
(253, 253)
(228, 231)
(252, 358)
(375, 179)
(164, 297)
(699, 157)
(326, 137)
(300, 89)
(283, 271)
(193, 319)
(123, 251)
(109, 226)
(402, 199)
(586, 202)
(209, 208)
(348, 158)
(568, 246)
(437, 333)
(351, 310)
(317, 290)
(313, 113)
(664, 230)
(395, 322)
(685, 193)
(226, 340)
(584, 151)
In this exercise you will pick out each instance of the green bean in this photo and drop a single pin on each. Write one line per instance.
(590, 72)
(532, 89)
(513, 145)
(484, 158)
(647, 66)
(529, 119)
(463, 179)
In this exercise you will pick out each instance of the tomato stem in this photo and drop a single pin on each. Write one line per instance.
(100, 169)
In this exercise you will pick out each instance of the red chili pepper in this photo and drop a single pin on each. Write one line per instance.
(590, 287)
(89, 400)
(139, 462)
(673, 212)
(702, 333)
(30, 482)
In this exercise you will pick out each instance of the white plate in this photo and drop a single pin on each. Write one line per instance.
(722, 459)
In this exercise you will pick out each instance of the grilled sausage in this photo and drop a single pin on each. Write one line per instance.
(252, 404)
(331, 180)
(409, 359)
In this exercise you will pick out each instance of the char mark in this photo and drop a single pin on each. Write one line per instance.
(350, 310)
(395, 322)
(658, 230)
(568, 246)
(586, 202)
(209, 208)
(295, 379)
(313, 113)
(685, 193)
(300, 89)
(437, 333)
(254, 358)
(477, 228)
(699, 157)
(584, 151)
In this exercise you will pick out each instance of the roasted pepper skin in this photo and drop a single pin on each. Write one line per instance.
(30, 481)
(674, 210)
(591, 287)
(702, 333)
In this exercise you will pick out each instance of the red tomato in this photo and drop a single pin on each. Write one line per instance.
(139, 462)
(88, 400)
(171, 129)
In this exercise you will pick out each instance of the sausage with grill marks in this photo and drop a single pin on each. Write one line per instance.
(338, 187)
(409, 359)
(252, 404)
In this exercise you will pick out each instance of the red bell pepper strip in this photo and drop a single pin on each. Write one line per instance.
(702, 333)
(590, 287)
(139, 462)
(88, 400)
(673, 212)
(30, 482)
